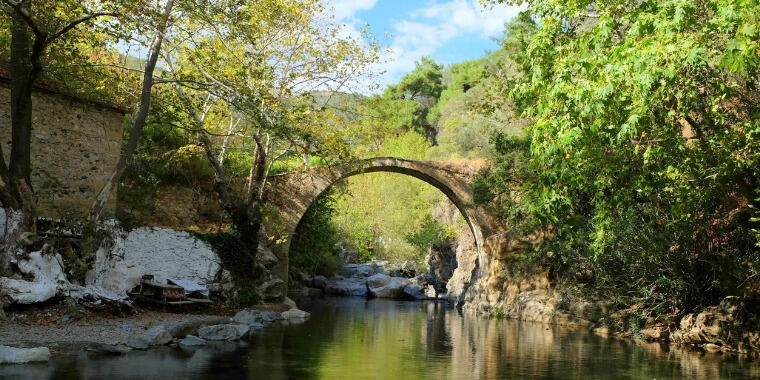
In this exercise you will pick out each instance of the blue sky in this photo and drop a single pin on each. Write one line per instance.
(449, 31)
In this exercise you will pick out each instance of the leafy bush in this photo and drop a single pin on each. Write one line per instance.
(430, 233)
(644, 147)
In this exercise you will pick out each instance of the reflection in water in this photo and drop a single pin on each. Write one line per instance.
(352, 338)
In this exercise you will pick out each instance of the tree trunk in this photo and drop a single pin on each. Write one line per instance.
(16, 193)
(246, 221)
(140, 117)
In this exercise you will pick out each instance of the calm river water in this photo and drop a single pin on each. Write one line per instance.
(352, 338)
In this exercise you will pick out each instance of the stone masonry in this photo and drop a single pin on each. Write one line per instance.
(75, 146)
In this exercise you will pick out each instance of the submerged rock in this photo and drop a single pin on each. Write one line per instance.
(223, 332)
(13, 355)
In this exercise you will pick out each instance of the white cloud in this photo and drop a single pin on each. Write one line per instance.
(427, 29)
(344, 10)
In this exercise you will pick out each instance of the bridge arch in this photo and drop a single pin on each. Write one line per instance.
(291, 194)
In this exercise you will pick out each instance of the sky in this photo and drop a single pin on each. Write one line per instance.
(449, 31)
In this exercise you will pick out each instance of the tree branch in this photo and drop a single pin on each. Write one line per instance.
(73, 24)
(26, 17)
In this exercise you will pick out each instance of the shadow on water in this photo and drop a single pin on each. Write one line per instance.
(353, 338)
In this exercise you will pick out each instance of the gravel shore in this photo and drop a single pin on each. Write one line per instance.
(92, 328)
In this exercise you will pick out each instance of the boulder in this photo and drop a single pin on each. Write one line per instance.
(13, 355)
(383, 286)
(362, 270)
(290, 303)
(157, 336)
(226, 332)
(346, 287)
(137, 343)
(319, 282)
(192, 341)
(378, 280)
(295, 314)
(415, 292)
(272, 289)
(253, 317)
(266, 257)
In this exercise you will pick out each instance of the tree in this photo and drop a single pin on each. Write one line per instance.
(261, 70)
(141, 113)
(645, 141)
(34, 28)
(424, 86)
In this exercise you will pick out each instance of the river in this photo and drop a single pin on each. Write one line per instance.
(354, 338)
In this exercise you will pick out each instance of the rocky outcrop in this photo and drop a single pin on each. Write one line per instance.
(47, 271)
(161, 252)
(48, 281)
(725, 327)
(13, 355)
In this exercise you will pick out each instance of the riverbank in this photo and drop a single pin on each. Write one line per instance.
(26, 333)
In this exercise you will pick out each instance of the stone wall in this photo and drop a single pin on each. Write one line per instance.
(75, 146)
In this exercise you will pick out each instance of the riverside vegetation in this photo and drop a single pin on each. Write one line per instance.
(626, 133)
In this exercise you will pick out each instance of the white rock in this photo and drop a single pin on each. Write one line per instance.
(295, 314)
(12, 355)
(48, 274)
(162, 252)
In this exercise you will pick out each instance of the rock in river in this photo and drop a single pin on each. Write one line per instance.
(415, 292)
(256, 317)
(295, 314)
(223, 332)
(13, 355)
(384, 286)
(347, 287)
(192, 341)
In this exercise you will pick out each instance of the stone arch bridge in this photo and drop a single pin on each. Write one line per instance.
(292, 193)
